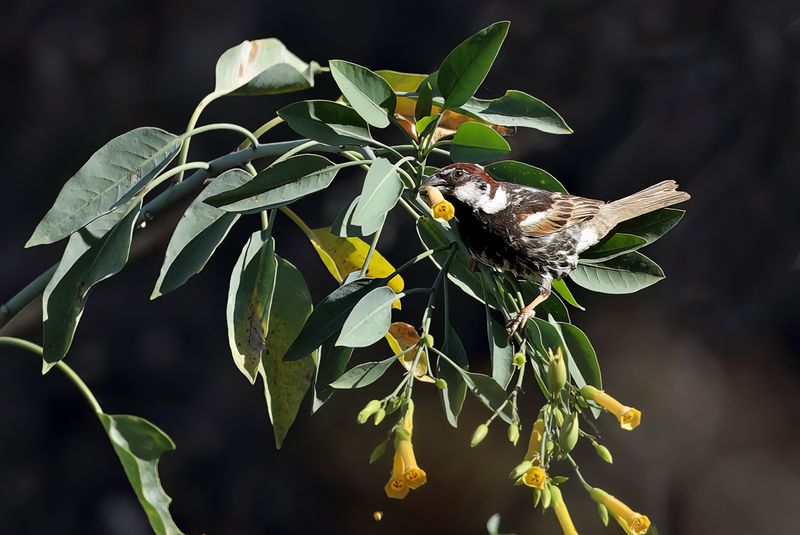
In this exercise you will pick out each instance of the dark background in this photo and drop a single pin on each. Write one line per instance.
(705, 92)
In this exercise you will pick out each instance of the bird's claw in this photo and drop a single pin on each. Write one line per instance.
(518, 322)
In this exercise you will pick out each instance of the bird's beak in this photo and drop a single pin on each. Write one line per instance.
(434, 180)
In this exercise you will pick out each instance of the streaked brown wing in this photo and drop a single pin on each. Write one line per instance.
(562, 212)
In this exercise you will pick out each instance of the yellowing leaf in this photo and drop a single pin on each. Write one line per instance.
(343, 256)
(401, 336)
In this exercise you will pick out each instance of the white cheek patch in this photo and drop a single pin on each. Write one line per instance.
(468, 193)
(492, 205)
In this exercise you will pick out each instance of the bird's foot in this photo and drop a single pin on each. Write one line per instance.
(518, 321)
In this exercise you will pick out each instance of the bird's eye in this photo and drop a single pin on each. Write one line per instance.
(458, 173)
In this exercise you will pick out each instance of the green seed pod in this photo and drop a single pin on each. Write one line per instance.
(520, 469)
(546, 497)
(380, 415)
(371, 408)
(441, 384)
(537, 496)
(559, 416)
(603, 512)
(548, 447)
(556, 371)
(568, 434)
(427, 340)
(603, 453)
(513, 433)
(480, 433)
(519, 359)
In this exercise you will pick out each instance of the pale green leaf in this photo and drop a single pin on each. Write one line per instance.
(262, 67)
(369, 94)
(112, 176)
(363, 374)
(369, 319)
(623, 274)
(380, 192)
(327, 122)
(518, 109)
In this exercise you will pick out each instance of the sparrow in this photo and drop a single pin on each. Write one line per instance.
(535, 234)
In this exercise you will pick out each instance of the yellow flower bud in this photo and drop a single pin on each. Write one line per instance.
(519, 359)
(630, 520)
(560, 509)
(371, 408)
(629, 418)
(480, 433)
(535, 442)
(444, 210)
(513, 433)
(602, 510)
(427, 340)
(441, 384)
(603, 453)
(556, 371)
(559, 416)
(380, 415)
(568, 435)
(432, 195)
(546, 496)
(535, 477)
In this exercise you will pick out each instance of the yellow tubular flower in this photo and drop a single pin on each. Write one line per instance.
(444, 210)
(535, 477)
(413, 475)
(396, 488)
(560, 509)
(535, 442)
(632, 522)
(629, 418)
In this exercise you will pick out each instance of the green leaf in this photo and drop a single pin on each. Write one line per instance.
(327, 122)
(369, 320)
(381, 190)
(139, 445)
(424, 105)
(621, 275)
(363, 374)
(369, 94)
(262, 67)
(476, 143)
(112, 176)
(331, 365)
(464, 69)
(197, 235)
(402, 82)
(489, 393)
(611, 246)
(92, 254)
(653, 225)
(433, 235)
(583, 365)
(286, 383)
(279, 184)
(501, 352)
(524, 174)
(453, 396)
(343, 224)
(250, 296)
(328, 317)
(563, 290)
(518, 109)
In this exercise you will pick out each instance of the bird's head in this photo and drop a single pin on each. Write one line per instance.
(467, 183)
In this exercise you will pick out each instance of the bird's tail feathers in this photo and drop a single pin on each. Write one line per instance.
(648, 200)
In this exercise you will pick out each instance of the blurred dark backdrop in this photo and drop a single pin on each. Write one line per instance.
(702, 91)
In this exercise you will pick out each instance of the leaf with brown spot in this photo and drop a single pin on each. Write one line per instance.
(250, 295)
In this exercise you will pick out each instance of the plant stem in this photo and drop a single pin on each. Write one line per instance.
(371, 251)
(208, 99)
(159, 204)
(220, 126)
(577, 470)
(61, 365)
(261, 130)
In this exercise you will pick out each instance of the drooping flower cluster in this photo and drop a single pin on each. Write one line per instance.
(406, 473)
